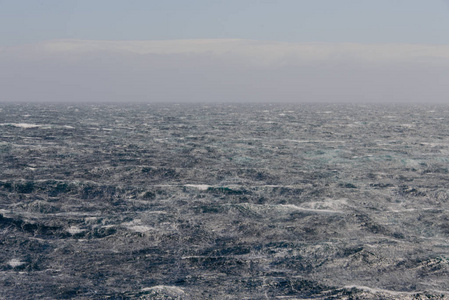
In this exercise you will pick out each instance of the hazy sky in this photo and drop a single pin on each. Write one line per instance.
(228, 50)
(363, 21)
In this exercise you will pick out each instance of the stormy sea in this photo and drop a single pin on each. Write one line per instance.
(224, 201)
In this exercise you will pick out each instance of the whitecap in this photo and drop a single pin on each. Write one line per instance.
(74, 230)
(22, 125)
(15, 263)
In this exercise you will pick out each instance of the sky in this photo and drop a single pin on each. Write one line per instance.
(224, 51)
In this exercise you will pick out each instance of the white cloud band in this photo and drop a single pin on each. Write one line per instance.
(262, 51)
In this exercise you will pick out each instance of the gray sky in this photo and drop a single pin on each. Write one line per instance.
(247, 50)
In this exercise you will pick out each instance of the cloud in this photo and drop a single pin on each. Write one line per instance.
(223, 70)
(258, 52)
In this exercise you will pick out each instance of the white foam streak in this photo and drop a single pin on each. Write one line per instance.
(201, 187)
(22, 125)
(389, 292)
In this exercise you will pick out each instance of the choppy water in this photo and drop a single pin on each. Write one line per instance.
(224, 201)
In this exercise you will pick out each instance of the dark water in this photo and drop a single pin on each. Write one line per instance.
(224, 202)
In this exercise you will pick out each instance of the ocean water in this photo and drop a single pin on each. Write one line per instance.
(224, 201)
